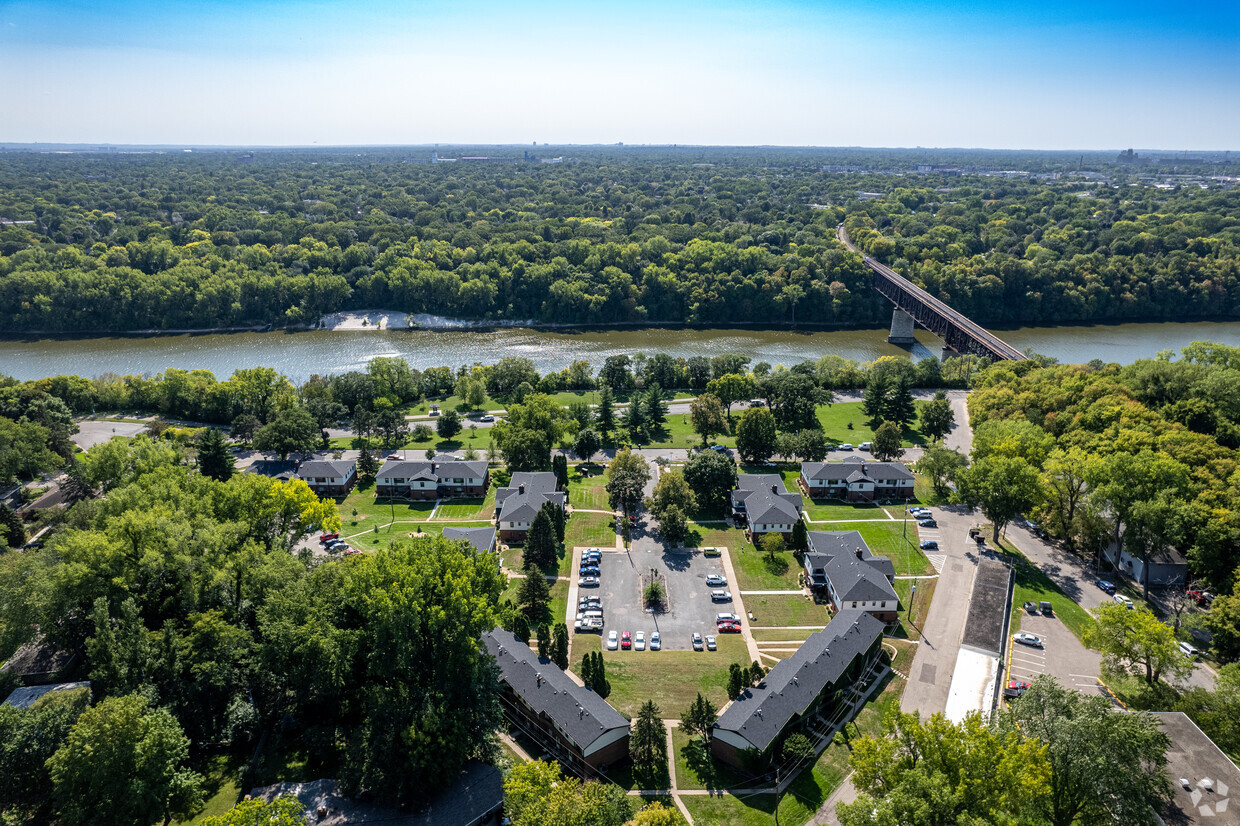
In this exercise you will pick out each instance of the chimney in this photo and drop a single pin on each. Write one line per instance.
(774, 488)
(538, 678)
(521, 488)
(858, 553)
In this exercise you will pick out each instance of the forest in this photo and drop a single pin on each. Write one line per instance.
(110, 241)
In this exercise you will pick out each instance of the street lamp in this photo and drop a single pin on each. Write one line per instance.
(911, 599)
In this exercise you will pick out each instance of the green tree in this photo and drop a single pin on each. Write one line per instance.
(588, 443)
(539, 549)
(449, 424)
(900, 406)
(259, 390)
(12, 531)
(214, 460)
(292, 431)
(537, 793)
(24, 450)
(1132, 641)
(937, 417)
(525, 450)
(800, 536)
(533, 597)
(673, 525)
(627, 476)
(559, 466)
(606, 413)
(672, 490)
(1065, 481)
(28, 737)
(244, 427)
(1002, 487)
(285, 810)
(1217, 712)
(559, 645)
(707, 416)
(699, 717)
(656, 814)
(737, 680)
(1104, 767)
(888, 442)
(123, 763)
(797, 749)
(655, 402)
(773, 544)
(729, 389)
(756, 435)
(1223, 622)
(648, 744)
(711, 475)
(938, 772)
(877, 397)
(941, 466)
(367, 464)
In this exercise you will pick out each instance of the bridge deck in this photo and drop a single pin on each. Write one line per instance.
(958, 331)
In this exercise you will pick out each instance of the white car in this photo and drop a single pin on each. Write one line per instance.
(613, 641)
(1123, 600)
(639, 641)
(656, 642)
(710, 643)
(588, 625)
(716, 581)
(727, 618)
(845, 446)
(487, 418)
(1028, 639)
(721, 596)
(865, 446)
(588, 582)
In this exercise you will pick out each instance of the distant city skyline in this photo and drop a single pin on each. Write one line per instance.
(1000, 75)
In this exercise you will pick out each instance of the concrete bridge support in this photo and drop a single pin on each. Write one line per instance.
(901, 328)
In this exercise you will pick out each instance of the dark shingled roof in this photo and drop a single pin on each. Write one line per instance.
(462, 470)
(580, 714)
(760, 714)
(855, 468)
(273, 468)
(764, 505)
(853, 578)
(324, 468)
(541, 482)
(482, 539)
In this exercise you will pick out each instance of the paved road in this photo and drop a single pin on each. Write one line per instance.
(92, 432)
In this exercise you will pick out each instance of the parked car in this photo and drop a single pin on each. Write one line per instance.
(757, 403)
(727, 617)
(596, 602)
(1123, 600)
(721, 596)
(698, 645)
(1189, 651)
(1013, 693)
(588, 582)
(1107, 587)
(626, 640)
(711, 552)
(844, 446)
(1031, 607)
(1021, 684)
(589, 570)
(917, 510)
(866, 446)
(590, 625)
(728, 627)
(656, 642)
(716, 581)
(718, 448)
(328, 537)
(1025, 638)
(487, 418)
(613, 641)
(595, 557)
(929, 545)
(352, 552)
(1046, 608)
(927, 523)
(639, 642)
(710, 643)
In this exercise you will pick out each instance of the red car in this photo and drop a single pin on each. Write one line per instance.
(626, 640)
(726, 627)
(328, 537)
(1018, 684)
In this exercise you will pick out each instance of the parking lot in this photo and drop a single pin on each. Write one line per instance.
(1062, 655)
(689, 605)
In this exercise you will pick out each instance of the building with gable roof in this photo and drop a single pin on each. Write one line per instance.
(428, 480)
(839, 565)
(765, 505)
(856, 480)
(481, 540)
(521, 501)
(571, 722)
(813, 692)
(329, 477)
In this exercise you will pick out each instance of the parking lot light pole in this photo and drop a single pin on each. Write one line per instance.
(911, 599)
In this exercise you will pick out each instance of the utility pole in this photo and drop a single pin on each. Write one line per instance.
(911, 599)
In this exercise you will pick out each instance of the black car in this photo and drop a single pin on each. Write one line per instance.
(589, 570)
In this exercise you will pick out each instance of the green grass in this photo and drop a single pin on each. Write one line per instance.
(590, 530)
(372, 511)
(423, 408)
(925, 595)
(1032, 585)
(896, 540)
(761, 635)
(835, 419)
(514, 561)
(836, 512)
(696, 768)
(475, 508)
(785, 609)
(221, 785)
(672, 679)
(588, 491)
(559, 598)
(677, 432)
(757, 573)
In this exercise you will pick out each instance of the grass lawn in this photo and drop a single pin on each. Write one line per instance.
(387, 534)
(696, 768)
(921, 607)
(835, 419)
(372, 511)
(514, 561)
(896, 540)
(672, 679)
(838, 511)
(717, 535)
(785, 609)
(559, 598)
(221, 775)
(757, 573)
(483, 508)
(423, 408)
(591, 530)
(588, 491)
(762, 635)
(677, 432)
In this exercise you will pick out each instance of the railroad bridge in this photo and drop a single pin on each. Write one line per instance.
(914, 305)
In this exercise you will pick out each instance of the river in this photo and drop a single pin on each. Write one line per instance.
(299, 354)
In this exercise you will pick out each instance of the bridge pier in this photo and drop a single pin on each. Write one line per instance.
(901, 328)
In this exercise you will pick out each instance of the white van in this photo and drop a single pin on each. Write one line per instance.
(590, 614)
(1189, 651)
(865, 446)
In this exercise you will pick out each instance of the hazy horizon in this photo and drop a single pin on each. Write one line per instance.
(790, 73)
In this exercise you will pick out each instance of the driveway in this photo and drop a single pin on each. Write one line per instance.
(92, 432)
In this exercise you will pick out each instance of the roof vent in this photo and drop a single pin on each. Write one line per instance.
(521, 488)
(758, 712)
(538, 678)
(858, 553)
(1207, 784)
(774, 489)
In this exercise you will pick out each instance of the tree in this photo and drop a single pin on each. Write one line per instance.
(122, 764)
(648, 744)
(942, 466)
(626, 479)
(1217, 712)
(1002, 487)
(390, 424)
(588, 443)
(12, 531)
(756, 673)
(1105, 767)
(699, 717)
(877, 395)
(449, 424)
(559, 466)
(537, 793)
(655, 405)
(326, 413)
(606, 413)
(800, 536)
(797, 749)
(900, 406)
(559, 645)
(737, 680)
(938, 772)
(292, 431)
(367, 464)
(673, 525)
(1223, 622)
(556, 514)
(285, 810)
(888, 442)
(730, 389)
(543, 633)
(672, 490)
(773, 544)
(525, 450)
(244, 427)
(707, 416)
(1132, 641)
(539, 549)
(214, 460)
(756, 435)
(28, 737)
(937, 417)
(711, 475)
(598, 675)
(656, 814)
(533, 597)
(615, 374)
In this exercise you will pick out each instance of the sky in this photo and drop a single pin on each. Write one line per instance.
(1055, 74)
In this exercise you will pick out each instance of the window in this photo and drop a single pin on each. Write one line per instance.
(854, 604)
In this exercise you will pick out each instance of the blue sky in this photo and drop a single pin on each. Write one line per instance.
(1048, 75)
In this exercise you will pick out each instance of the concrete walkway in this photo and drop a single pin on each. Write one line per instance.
(746, 631)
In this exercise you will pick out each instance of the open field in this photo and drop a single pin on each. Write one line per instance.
(587, 491)
(786, 609)
(469, 509)
(590, 529)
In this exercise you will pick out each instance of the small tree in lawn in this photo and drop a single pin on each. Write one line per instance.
(449, 424)
(708, 417)
(797, 748)
(540, 543)
(888, 441)
(737, 677)
(699, 717)
(367, 465)
(587, 444)
(800, 536)
(773, 544)
(559, 645)
(648, 744)
(587, 670)
(598, 671)
(756, 673)
(544, 639)
(534, 596)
